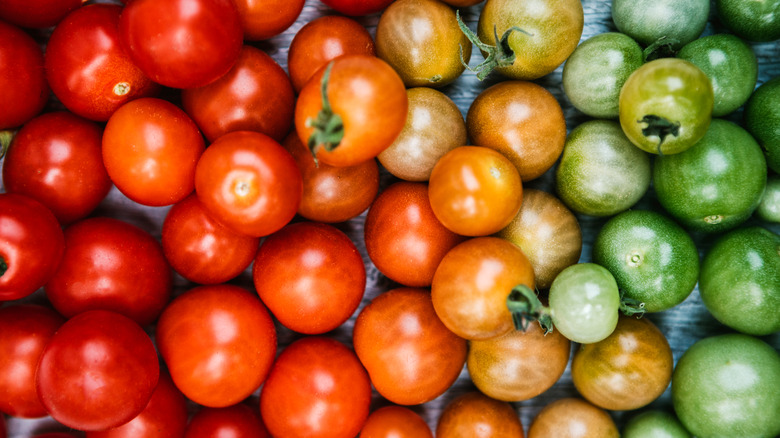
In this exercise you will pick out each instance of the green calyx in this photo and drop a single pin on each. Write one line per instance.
(5, 140)
(631, 306)
(526, 308)
(498, 55)
(660, 127)
(328, 126)
(663, 47)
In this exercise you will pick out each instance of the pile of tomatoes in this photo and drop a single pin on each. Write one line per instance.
(332, 218)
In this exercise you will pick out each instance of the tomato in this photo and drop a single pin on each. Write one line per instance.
(403, 238)
(769, 208)
(351, 110)
(165, 416)
(596, 71)
(523, 121)
(762, 116)
(322, 40)
(36, 13)
(717, 184)
(236, 421)
(462, 3)
(201, 249)
(434, 126)
(310, 275)
(249, 182)
(395, 422)
(255, 95)
(472, 283)
(182, 43)
(150, 150)
(572, 417)
(519, 365)
(264, 19)
(24, 331)
(666, 106)
(647, 21)
(97, 371)
(22, 77)
(754, 21)
(316, 388)
(654, 260)
(57, 159)
(421, 40)
(726, 385)
(475, 191)
(653, 423)
(218, 342)
(31, 245)
(547, 232)
(601, 173)
(474, 414)
(357, 7)
(87, 68)
(410, 356)
(740, 280)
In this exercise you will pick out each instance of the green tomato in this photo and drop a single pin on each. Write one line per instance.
(752, 20)
(769, 207)
(715, 185)
(679, 21)
(653, 259)
(600, 172)
(731, 65)
(655, 424)
(740, 280)
(596, 71)
(727, 386)
(762, 119)
(666, 106)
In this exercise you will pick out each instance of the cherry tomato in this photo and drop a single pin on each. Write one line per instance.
(97, 371)
(236, 421)
(218, 342)
(31, 245)
(249, 182)
(647, 21)
(263, 19)
(653, 423)
(357, 7)
(37, 14)
(761, 116)
(474, 414)
(572, 417)
(310, 275)
(22, 77)
(57, 159)
(395, 422)
(750, 20)
(317, 388)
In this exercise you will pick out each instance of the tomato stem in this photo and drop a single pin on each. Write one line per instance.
(328, 126)
(660, 127)
(526, 308)
(661, 48)
(6, 136)
(631, 306)
(498, 55)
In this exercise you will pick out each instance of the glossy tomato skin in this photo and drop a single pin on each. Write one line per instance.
(648, 20)
(24, 331)
(218, 342)
(357, 7)
(200, 248)
(750, 20)
(409, 354)
(87, 68)
(236, 421)
(310, 275)
(98, 371)
(31, 245)
(395, 422)
(249, 182)
(474, 414)
(57, 159)
(110, 264)
(561, 416)
(761, 116)
(36, 14)
(263, 19)
(255, 95)
(403, 238)
(317, 388)
(22, 77)
(150, 31)
(653, 423)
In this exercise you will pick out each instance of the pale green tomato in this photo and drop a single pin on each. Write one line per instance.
(678, 21)
(655, 424)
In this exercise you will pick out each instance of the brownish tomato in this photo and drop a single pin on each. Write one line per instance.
(523, 121)
(629, 369)
(395, 422)
(403, 238)
(263, 19)
(475, 415)
(572, 418)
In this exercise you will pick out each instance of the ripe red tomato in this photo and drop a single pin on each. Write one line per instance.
(86, 67)
(182, 43)
(236, 421)
(395, 422)
(310, 275)
(31, 245)
(249, 182)
(22, 77)
(110, 264)
(317, 388)
(97, 371)
(57, 159)
(357, 7)
(263, 19)
(36, 13)
(218, 342)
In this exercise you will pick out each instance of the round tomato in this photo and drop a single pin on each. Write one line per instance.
(559, 417)
(762, 116)
(395, 422)
(357, 7)
(263, 19)
(474, 414)
(647, 21)
(754, 21)
(236, 421)
(22, 77)
(769, 208)
(37, 14)
(653, 423)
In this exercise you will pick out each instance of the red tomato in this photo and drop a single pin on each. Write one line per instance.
(31, 245)
(324, 39)
(310, 275)
(317, 388)
(237, 421)
(255, 95)
(249, 182)
(112, 265)
(263, 19)
(395, 422)
(182, 43)
(56, 158)
(24, 331)
(36, 13)
(403, 237)
(22, 77)
(150, 150)
(165, 416)
(365, 95)
(98, 371)
(218, 342)
(201, 249)
(357, 7)
(87, 68)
